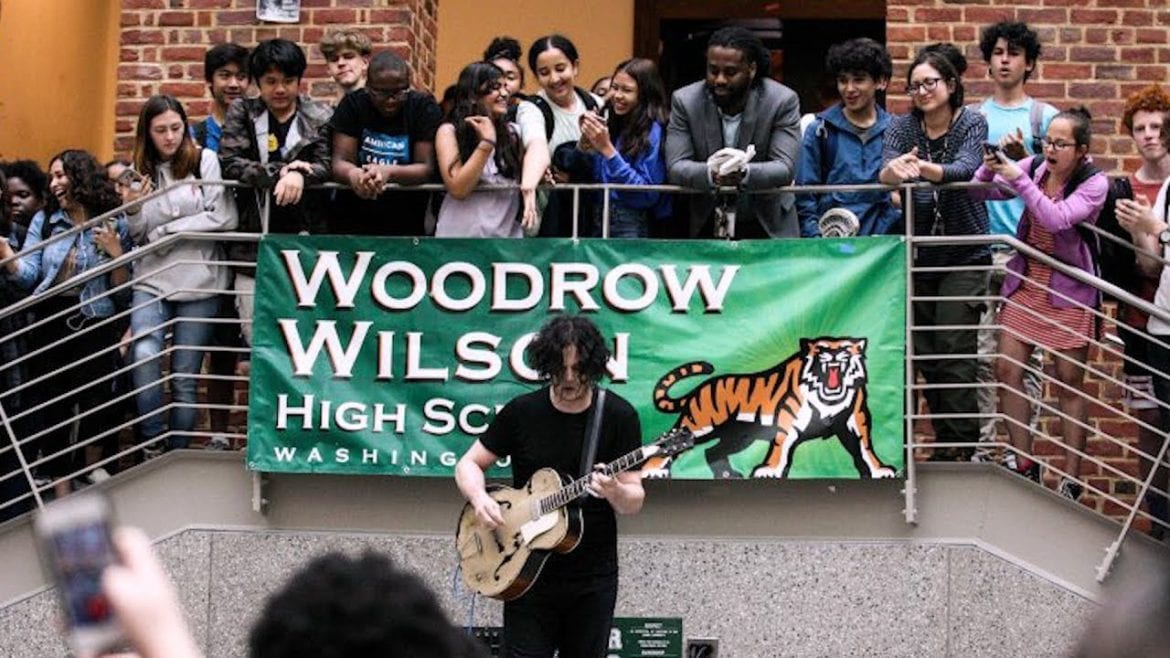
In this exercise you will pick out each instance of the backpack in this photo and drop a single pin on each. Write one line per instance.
(828, 148)
(1080, 175)
(1118, 261)
(1035, 121)
(547, 113)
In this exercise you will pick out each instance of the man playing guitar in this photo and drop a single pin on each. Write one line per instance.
(570, 607)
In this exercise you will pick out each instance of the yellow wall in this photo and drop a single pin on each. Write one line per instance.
(59, 59)
(602, 30)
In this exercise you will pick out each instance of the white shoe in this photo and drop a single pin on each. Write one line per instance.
(98, 475)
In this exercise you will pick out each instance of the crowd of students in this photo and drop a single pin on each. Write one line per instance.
(738, 128)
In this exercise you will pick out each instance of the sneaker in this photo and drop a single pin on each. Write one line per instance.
(1012, 463)
(1070, 489)
(218, 442)
(152, 451)
(98, 475)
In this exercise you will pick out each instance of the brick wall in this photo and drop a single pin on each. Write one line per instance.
(1095, 52)
(163, 41)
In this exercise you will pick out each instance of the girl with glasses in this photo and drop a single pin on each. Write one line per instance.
(941, 142)
(1044, 307)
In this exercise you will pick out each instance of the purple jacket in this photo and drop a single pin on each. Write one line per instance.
(1059, 217)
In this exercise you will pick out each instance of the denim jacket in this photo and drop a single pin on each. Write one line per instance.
(37, 268)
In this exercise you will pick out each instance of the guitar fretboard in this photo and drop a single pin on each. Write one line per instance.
(573, 490)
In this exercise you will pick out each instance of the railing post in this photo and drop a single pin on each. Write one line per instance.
(910, 485)
(605, 211)
(32, 485)
(1114, 548)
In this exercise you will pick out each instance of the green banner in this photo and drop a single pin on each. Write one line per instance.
(389, 355)
(645, 637)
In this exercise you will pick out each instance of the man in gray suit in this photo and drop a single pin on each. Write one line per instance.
(737, 105)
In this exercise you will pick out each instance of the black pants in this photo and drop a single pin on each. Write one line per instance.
(572, 615)
(81, 349)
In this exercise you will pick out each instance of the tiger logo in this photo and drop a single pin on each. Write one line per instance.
(814, 394)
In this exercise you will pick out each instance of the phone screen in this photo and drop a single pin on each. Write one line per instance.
(78, 556)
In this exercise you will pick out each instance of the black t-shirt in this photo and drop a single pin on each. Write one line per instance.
(383, 140)
(537, 435)
(277, 135)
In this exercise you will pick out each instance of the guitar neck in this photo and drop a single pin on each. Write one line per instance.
(573, 490)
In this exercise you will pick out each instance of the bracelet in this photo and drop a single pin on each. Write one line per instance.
(486, 141)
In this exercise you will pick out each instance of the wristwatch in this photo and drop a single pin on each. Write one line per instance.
(1164, 237)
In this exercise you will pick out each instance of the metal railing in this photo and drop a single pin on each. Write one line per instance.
(15, 418)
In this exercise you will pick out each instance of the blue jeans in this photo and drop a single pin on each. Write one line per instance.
(148, 324)
(624, 222)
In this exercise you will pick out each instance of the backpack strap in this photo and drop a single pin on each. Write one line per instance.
(592, 432)
(1036, 121)
(586, 98)
(545, 111)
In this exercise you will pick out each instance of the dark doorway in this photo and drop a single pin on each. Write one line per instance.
(798, 34)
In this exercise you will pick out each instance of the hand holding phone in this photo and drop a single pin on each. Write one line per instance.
(991, 148)
(76, 547)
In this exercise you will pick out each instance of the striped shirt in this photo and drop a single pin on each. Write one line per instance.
(960, 152)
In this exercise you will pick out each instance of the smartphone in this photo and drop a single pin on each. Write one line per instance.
(990, 148)
(1124, 188)
(76, 547)
(131, 179)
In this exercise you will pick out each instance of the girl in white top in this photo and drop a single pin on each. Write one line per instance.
(477, 146)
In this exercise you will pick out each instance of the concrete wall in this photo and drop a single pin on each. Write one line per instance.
(758, 597)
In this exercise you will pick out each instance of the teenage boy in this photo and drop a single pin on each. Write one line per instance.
(277, 144)
(1143, 118)
(225, 67)
(347, 56)
(843, 144)
(1017, 122)
(384, 133)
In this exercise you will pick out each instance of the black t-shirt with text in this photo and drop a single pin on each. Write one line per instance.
(383, 140)
(537, 435)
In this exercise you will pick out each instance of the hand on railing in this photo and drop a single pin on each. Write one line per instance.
(291, 185)
(367, 182)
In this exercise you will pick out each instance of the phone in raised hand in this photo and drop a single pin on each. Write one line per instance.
(74, 535)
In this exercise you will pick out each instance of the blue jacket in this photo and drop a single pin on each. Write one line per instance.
(648, 169)
(37, 268)
(852, 162)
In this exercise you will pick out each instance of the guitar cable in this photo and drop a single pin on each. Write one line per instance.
(458, 593)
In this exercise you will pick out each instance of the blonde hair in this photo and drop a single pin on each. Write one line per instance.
(334, 42)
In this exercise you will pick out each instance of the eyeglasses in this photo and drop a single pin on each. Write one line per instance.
(383, 94)
(1056, 146)
(927, 85)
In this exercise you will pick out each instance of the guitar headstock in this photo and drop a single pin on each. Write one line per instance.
(673, 442)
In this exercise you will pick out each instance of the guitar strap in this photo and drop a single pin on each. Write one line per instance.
(592, 431)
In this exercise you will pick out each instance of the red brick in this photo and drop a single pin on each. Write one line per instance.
(209, 4)
(143, 4)
(1093, 17)
(938, 15)
(1052, 71)
(183, 88)
(1050, 15)
(326, 16)
(1093, 54)
(140, 72)
(138, 37)
(1114, 72)
(1137, 18)
(130, 19)
(183, 54)
(171, 18)
(939, 33)
(236, 18)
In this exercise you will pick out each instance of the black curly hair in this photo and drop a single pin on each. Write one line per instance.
(88, 184)
(1015, 34)
(546, 352)
(749, 44)
(862, 55)
(339, 606)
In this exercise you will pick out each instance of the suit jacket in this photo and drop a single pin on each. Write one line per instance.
(771, 121)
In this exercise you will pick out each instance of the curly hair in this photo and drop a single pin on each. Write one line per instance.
(29, 172)
(88, 184)
(476, 80)
(1147, 99)
(752, 47)
(1015, 34)
(862, 55)
(633, 129)
(546, 352)
(338, 606)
